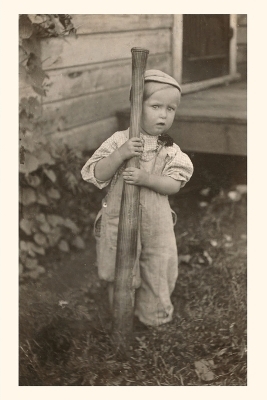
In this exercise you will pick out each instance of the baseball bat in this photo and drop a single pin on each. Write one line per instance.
(123, 299)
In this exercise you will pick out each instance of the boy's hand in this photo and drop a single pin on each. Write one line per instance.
(133, 147)
(135, 176)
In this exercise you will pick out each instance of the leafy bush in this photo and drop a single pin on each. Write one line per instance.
(49, 172)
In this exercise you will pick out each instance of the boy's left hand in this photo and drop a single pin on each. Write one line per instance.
(135, 176)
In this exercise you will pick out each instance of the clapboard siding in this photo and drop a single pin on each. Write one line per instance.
(77, 81)
(82, 110)
(99, 23)
(89, 136)
(89, 75)
(88, 49)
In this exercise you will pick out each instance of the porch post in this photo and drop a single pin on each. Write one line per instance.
(233, 45)
(177, 47)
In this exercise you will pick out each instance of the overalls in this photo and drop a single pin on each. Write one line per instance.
(156, 269)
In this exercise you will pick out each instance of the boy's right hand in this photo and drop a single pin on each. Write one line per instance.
(132, 148)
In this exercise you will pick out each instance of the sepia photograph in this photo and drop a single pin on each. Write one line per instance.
(132, 199)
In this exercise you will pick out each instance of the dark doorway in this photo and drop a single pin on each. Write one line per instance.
(206, 40)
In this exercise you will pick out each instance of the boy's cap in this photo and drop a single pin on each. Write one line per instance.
(155, 75)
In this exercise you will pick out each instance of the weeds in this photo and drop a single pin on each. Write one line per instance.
(68, 343)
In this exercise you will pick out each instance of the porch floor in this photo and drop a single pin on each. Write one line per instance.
(223, 102)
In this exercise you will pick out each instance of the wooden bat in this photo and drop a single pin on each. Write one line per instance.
(123, 300)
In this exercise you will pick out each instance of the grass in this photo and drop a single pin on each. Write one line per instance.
(69, 344)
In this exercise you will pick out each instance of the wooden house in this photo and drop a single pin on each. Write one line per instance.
(90, 76)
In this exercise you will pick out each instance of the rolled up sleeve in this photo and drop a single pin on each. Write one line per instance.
(88, 170)
(178, 166)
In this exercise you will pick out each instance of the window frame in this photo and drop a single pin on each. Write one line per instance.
(177, 54)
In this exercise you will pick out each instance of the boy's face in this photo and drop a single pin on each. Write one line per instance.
(159, 111)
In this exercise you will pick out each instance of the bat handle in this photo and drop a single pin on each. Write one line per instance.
(139, 60)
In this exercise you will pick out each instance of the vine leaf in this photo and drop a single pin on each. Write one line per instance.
(45, 227)
(26, 226)
(31, 249)
(25, 27)
(55, 220)
(78, 242)
(54, 236)
(45, 158)
(33, 180)
(40, 218)
(41, 199)
(27, 196)
(37, 18)
(31, 106)
(40, 239)
(37, 76)
(36, 272)
(54, 194)
(31, 164)
(38, 250)
(50, 174)
(63, 246)
(71, 225)
(31, 263)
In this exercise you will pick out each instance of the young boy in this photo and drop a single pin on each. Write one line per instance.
(164, 169)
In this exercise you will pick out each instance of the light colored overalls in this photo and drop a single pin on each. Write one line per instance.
(156, 269)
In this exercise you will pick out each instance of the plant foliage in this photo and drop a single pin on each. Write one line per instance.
(49, 172)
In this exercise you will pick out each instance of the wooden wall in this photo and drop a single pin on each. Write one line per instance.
(90, 75)
(242, 44)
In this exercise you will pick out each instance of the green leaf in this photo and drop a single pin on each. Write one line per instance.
(26, 226)
(63, 246)
(54, 194)
(33, 180)
(39, 270)
(78, 242)
(50, 174)
(23, 246)
(41, 199)
(54, 236)
(55, 220)
(37, 18)
(34, 107)
(31, 163)
(40, 218)
(37, 76)
(45, 228)
(40, 239)
(31, 263)
(71, 225)
(31, 45)
(39, 90)
(31, 249)
(27, 196)
(38, 250)
(25, 27)
(44, 157)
